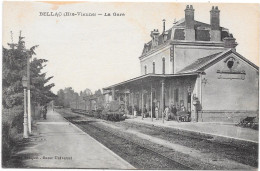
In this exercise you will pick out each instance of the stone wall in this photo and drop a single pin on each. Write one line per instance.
(225, 116)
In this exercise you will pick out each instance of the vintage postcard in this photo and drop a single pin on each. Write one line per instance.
(130, 85)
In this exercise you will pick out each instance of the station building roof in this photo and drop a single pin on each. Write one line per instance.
(194, 68)
(145, 79)
(178, 30)
(205, 62)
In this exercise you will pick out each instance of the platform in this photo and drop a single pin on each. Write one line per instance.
(59, 144)
(219, 131)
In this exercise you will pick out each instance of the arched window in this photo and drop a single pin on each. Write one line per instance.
(145, 70)
(154, 67)
(163, 65)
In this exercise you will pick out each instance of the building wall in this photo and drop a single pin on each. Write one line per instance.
(231, 97)
(157, 58)
(185, 55)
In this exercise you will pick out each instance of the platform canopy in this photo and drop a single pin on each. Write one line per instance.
(144, 79)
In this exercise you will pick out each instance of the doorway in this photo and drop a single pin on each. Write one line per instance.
(189, 103)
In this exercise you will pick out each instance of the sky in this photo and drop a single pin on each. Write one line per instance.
(98, 51)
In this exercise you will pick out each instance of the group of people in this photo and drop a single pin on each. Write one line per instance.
(170, 113)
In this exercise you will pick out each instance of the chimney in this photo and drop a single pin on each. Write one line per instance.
(163, 25)
(155, 37)
(189, 23)
(230, 42)
(214, 18)
(215, 34)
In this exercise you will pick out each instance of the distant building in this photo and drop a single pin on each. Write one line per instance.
(196, 65)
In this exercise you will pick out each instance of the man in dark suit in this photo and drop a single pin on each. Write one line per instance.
(174, 112)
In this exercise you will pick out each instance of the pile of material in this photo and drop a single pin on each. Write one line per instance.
(250, 122)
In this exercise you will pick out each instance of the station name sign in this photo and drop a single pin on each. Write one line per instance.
(231, 75)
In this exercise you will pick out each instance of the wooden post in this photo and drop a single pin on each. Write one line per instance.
(142, 107)
(133, 104)
(113, 93)
(90, 106)
(200, 89)
(125, 102)
(163, 98)
(152, 102)
(85, 105)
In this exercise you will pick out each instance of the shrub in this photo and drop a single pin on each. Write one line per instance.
(12, 128)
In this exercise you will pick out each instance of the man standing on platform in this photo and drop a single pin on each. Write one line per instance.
(174, 112)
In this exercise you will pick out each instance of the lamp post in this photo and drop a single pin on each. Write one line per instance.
(25, 121)
(29, 92)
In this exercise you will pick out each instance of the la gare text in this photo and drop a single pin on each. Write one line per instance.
(80, 14)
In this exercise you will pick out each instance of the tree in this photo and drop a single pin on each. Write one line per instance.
(59, 101)
(100, 98)
(86, 92)
(98, 92)
(14, 68)
(41, 91)
(68, 96)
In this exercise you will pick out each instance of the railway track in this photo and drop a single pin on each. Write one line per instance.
(140, 156)
(144, 154)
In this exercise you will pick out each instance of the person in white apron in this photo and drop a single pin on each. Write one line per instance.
(157, 112)
(134, 111)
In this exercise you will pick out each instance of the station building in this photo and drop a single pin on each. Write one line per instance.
(195, 65)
